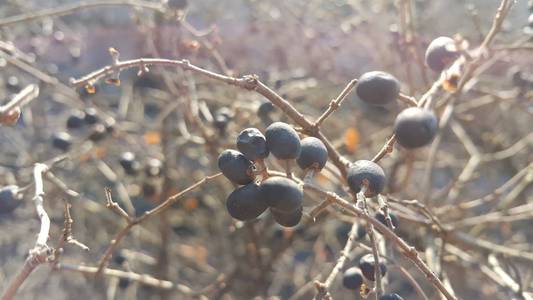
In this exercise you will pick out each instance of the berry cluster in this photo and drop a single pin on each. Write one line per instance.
(153, 169)
(10, 198)
(353, 278)
(281, 195)
(78, 120)
(414, 127)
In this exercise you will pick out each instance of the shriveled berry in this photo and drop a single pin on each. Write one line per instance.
(381, 218)
(235, 166)
(98, 133)
(76, 119)
(91, 116)
(367, 266)
(377, 88)
(287, 219)
(352, 278)
(153, 167)
(129, 163)
(61, 141)
(365, 170)
(313, 154)
(252, 144)
(282, 194)
(245, 203)
(9, 198)
(392, 296)
(282, 140)
(440, 53)
(415, 127)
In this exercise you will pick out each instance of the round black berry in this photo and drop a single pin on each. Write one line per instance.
(123, 283)
(367, 265)
(282, 140)
(98, 133)
(415, 127)
(9, 198)
(149, 189)
(61, 141)
(221, 118)
(119, 258)
(287, 219)
(392, 296)
(361, 231)
(91, 116)
(265, 109)
(282, 194)
(362, 170)
(129, 163)
(440, 53)
(76, 119)
(245, 203)
(381, 218)
(313, 154)
(377, 88)
(235, 166)
(352, 278)
(252, 144)
(153, 167)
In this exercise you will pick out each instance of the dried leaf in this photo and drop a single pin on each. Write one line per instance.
(152, 138)
(351, 139)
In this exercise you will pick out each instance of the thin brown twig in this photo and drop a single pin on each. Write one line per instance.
(248, 82)
(408, 251)
(39, 253)
(155, 211)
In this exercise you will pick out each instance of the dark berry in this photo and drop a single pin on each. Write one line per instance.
(149, 189)
(235, 166)
(9, 198)
(98, 133)
(245, 203)
(153, 167)
(129, 163)
(119, 258)
(367, 265)
(123, 283)
(282, 140)
(377, 88)
(362, 170)
(76, 120)
(252, 144)
(361, 231)
(91, 116)
(282, 194)
(415, 127)
(265, 109)
(381, 218)
(61, 141)
(342, 231)
(392, 296)
(287, 219)
(440, 53)
(222, 118)
(352, 278)
(313, 154)
(13, 84)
